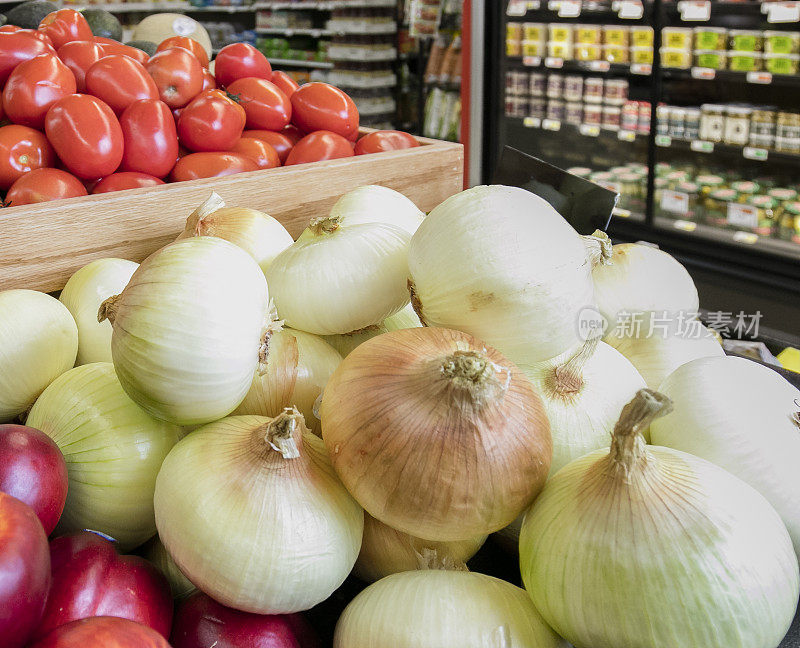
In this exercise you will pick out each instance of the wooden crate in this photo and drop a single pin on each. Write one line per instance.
(42, 245)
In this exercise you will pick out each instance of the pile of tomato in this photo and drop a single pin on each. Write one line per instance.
(85, 114)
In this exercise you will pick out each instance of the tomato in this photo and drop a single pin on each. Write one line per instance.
(126, 180)
(41, 185)
(186, 43)
(178, 76)
(211, 122)
(17, 47)
(278, 141)
(86, 135)
(119, 81)
(102, 632)
(386, 140)
(105, 41)
(319, 145)
(22, 149)
(259, 151)
(151, 140)
(238, 61)
(293, 133)
(265, 105)
(112, 47)
(211, 165)
(176, 113)
(64, 26)
(321, 106)
(10, 29)
(34, 86)
(79, 56)
(286, 84)
(209, 82)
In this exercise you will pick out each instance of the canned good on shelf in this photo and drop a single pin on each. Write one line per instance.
(676, 58)
(555, 86)
(745, 61)
(574, 112)
(710, 38)
(615, 91)
(537, 84)
(612, 117)
(630, 116)
(513, 48)
(616, 35)
(642, 55)
(745, 40)
(556, 110)
(663, 114)
(677, 38)
(616, 53)
(781, 63)
(537, 107)
(641, 36)
(588, 34)
(593, 89)
(714, 59)
(592, 114)
(573, 87)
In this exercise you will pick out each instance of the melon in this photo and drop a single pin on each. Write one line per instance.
(102, 23)
(159, 27)
(28, 15)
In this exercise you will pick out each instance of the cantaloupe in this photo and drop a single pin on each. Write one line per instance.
(159, 27)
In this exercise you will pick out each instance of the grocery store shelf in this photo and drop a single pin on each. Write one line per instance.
(144, 7)
(734, 153)
(290, 31)
(325, 6)
(574, 9)
(593, 67)
(586, 130)
(319, 65)
(728, 76)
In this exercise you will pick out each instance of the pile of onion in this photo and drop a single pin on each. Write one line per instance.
(402, 319)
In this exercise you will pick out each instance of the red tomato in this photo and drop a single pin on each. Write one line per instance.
(186, 43)
(22, 149)
(41, 185)
(17, 47)
(112, 47)
(209, 82)
(238, 61)
(79, 56)
(64, 26)
(105, 41)
(178, 76)
(211, 122)
(102, 632)
(386, 140)
(119, 81)
(151, 140)
(259, 151)
(265, 105)
(10, 29)
(176, 113)
(319, 145)
(286, 84)
(211, 165)
(34, 86)
(278, 141)
(86, 135)
(321, 106)
(293, 133)
(126, 180)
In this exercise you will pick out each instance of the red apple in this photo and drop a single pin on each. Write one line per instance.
(201, 622)
(91, 579)
(102, 632)
(33, 470)
(24, 571)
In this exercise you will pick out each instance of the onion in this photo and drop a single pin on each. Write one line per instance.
(38, 343)
(376, 204)
(113, 451)
(187, 330)
(743, 417)
(385, 551)
(257, 233)
(437, 608)
(180, 586)
(501, 264)
(436, 434)
(298, 366)
(649, 546)
(85, 291)
(253, 514)
(345, 343)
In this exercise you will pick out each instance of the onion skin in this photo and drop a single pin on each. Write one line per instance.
(102, 632)
(91, 579)
(180, 586)
(24, 571)
(33, 470)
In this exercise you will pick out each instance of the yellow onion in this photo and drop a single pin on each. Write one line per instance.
(188, 328)
(252, 513)
(648, 546)
(38, 343)
(345, 343)
(113, 451)
(85, 291)
(435, 433)
(376, 204)
(257, 233)
(157, 553)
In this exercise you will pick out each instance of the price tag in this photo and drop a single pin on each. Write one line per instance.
(700, 146)
(589, 130)
(675, 202)
(533, 5)
(740, 215)
(532, 122)
(532, 61)
(745, 237)
(630, 9)
(626, 135)
(695, 10)
(686, 226)
(553, 62)
(782, 12)
(641, 68)
(551, 125)
(759, 77)
(663, 140)
(755, 153)
(622, 213)
(516, 8)
(569, 8)
(597, 66)
(704, 73)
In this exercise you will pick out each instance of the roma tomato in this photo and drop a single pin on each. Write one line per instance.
(211, 165)
(281, 142)
(102, 632)
(104, 40)
(64, 26)
(79, 56)
(119, 81)
(113, 47)
(186, 43)
(321, 106)
(25, 569)
(293, 133)
(126, 180)
(9, 29)
(264, 104)
(259, 151)
(319, 145)
(22, 149)
(86, 136)
(16, 47)
(238, 61)
(211, 122)
(209, 82)
(34, 86)
(286, 84)
(178, 76)
(386, 140)
(151, 140)
(42, 185)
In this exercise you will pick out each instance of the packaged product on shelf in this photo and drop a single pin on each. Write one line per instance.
(537, 82)
(584, 52)
(745, 40)
(641, 36)
(630, 116)
(559, 33)
(513, 41)
(675, 177)
(645, 114)
(677, 38)
(449, 63)
(677, 118)
(588, 34)
(782, 195)
(556, 110)
(593, 114)
(573, 87)
(616, 54)
(435, 107)
(780, 42)
(452, 118)
(787, 132)
(781, 63)
(559, 49)
(537, 107)
(709, 184)
(436, 58)
(593, 89)
(766, 224)
(737, 126)
(789, 229)
(710, 38)
(663, 113)
(615, 91)
(714, 59)
(672, 57)
(534, 32)
(745, 61)
(712, 122)
(534, 48)
(616, 35)
(745, 189)
(715, 206)
(691, 123)
(642, 55)
(612, 117)
(574, 112)
(516, 83)
(555, 86)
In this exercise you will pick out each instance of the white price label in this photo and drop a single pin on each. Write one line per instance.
(597, 66)
(740, 215)
(626, 135)
(745, 237)
(516, 8)
(759, 77)
(630, 9)
(699, 146)
(686, 226)
(532, 122)
(532, 61)
(641, 68)
(533, 5)
(695, 10)
(675, 202)
(589, 130)
(782, 12)
(553, 62)
(663, 140)
(569, 8)
(752, 153)
(703, 73)
(551, 124)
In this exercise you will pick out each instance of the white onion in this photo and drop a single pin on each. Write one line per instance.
(376, 204)
(345, 343)
(157, 553)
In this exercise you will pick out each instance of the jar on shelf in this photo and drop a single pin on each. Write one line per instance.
(630, 116)
(677, 117)
(573, 87)
(588, 34)
(663, 169)
(631, 192)
(762, 122)
(593, 89)
(642, 55)
(745, 40)
(537, 107)
(516, 83)
(592, 114)
(766, 224)
(781, 63)
(789, 229)
(534, 32)
(615, 91)
(555, 86)
(677, 38)
(710, 38)
(644, 117)
(556, 110)
(641, 36)
(691, 128)
(560, 50)
(745, 189)
(587, 52)
(745, 61)
(559, 33)
(574, 112)
(534, 48)
(783, 195)
(709, 183)
(612, 117)
(616, 53)
(712, 59)
(715, 206)
(675, 177)
(737, 126)
(616, 35)
(537, 84)
(514, 39)
(712, 122)
(663, 113)
(781, 42)
(673, 57)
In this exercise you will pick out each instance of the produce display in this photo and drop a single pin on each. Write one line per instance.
(245, 430)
